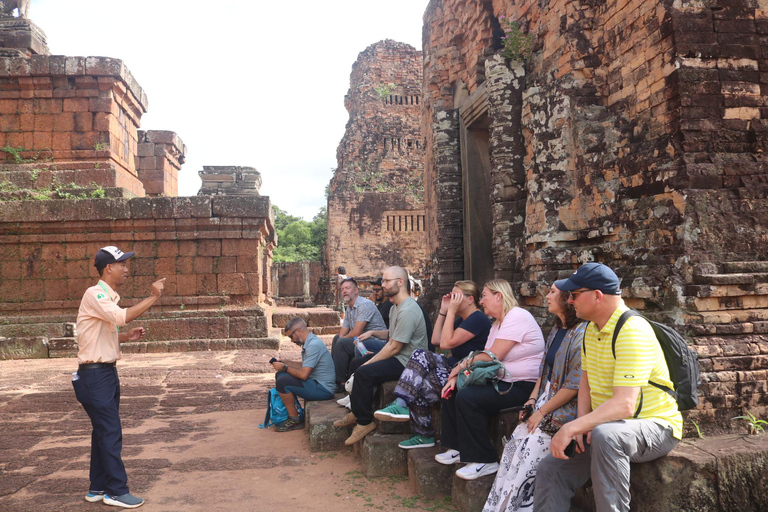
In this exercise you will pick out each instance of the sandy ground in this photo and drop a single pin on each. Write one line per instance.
(191, 441)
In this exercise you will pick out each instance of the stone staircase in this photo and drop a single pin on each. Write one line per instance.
(322, 321)
(716, 474)
(727, 318)
(730, 299)
(227, 328)
(380, 455)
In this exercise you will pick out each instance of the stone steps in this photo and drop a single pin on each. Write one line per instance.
(726, 290)
(200, 345)
(731, 278)
(314, 317)
(745, 266)
(381, 456)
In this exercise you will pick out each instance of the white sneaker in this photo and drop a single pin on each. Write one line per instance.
(344, 402)
(449, 457)
(349, 383)
(477, 469)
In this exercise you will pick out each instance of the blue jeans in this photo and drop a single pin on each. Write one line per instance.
(98, 390)
(308, 389)
(372, 344)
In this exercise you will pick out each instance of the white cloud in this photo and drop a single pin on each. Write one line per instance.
(258, 84)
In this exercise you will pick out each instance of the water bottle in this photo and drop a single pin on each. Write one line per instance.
(360, 346)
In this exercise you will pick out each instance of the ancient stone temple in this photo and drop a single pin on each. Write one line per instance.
(376, 214)
(635, 134)
(77, 174)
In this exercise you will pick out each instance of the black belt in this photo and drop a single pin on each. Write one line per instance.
(91, 366)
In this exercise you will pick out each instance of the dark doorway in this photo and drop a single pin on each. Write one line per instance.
(476, 186)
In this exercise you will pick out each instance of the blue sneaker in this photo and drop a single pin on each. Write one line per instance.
(94, 496)
(126, 500)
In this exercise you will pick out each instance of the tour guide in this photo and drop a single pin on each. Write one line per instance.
(96, 384)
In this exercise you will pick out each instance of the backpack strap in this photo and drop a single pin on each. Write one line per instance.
(619, 324)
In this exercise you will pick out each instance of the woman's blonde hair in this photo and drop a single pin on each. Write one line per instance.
(508, 300)
(469, 288)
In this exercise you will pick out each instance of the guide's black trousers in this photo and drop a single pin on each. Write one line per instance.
(98, 390)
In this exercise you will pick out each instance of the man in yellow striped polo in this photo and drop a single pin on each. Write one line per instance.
(622, 417)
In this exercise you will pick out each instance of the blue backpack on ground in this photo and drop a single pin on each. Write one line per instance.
(276, 411)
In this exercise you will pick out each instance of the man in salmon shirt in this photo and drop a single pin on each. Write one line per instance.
(96, 384)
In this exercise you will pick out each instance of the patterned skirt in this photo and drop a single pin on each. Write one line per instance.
(512, 490)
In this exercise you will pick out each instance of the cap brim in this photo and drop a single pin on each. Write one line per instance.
(125, 256)
(566, 285)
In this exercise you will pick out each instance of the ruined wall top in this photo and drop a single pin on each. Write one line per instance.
(229, 180)
(375, 200)
(383, 132)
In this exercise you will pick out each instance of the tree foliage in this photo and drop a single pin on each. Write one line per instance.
(298, 239)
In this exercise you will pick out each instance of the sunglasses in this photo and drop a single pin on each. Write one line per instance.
(575, 294)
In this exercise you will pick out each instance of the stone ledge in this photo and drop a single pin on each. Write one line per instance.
(716, 474)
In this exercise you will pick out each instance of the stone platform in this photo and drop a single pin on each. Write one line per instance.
(717, 474)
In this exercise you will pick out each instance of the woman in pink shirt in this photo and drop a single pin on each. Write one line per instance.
(515, 340)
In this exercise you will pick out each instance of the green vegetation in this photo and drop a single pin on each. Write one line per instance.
(518, 44)
(12, 192)
(364, 177)
(384, 90)
(298, 239)
(756, 426)
(698, 430)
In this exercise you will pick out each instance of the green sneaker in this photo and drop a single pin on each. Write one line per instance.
(417, 441)
(392, 412)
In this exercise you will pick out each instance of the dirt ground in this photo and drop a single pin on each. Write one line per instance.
(190, 442)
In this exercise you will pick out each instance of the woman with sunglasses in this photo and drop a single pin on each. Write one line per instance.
(515, 339)
(461, 327)
(551, 404)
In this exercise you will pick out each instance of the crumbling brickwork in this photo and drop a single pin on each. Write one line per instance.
(69, 127)
(160, 157)
(376, 215)
(71, 114)
(204, 246)
(634, 135)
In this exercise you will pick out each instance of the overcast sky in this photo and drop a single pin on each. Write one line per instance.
(256, 83)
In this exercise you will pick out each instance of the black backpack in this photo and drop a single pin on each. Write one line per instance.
(682, 362)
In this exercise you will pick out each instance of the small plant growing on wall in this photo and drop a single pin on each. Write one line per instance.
(518, 44)
(384, 90)
(756, 426)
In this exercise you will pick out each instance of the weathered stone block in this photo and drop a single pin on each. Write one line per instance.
(428, 477)
(323, 436)
(24, 348)
(470, 495)
(382, 457)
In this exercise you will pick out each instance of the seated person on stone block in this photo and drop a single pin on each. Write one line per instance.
(515, 339)
(552, 404)
(407, 333)
(382, 302)
(461, 327)
(622, 416)
(362, 317)
(312, 378)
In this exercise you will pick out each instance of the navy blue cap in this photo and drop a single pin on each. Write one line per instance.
(110, 254)
(593, 276)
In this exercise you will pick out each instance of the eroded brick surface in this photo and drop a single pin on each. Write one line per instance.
(634, 135)
(376, 214)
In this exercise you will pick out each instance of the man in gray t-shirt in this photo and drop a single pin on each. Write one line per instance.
(408, 332)
(362, 317)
